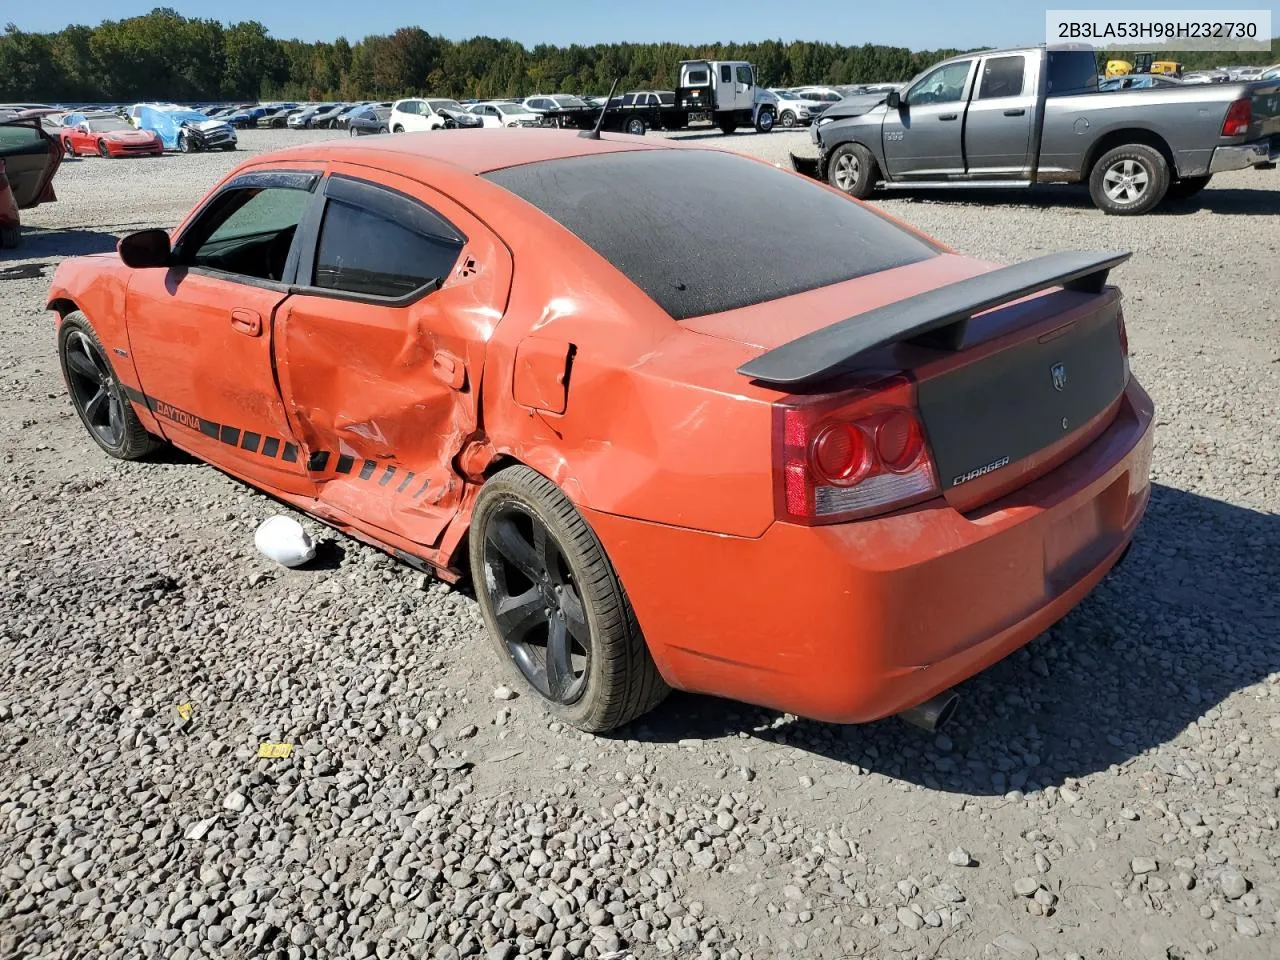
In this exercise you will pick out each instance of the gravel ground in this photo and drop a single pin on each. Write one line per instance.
(1110, 791)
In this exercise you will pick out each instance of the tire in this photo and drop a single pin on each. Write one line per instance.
(636, 126)
(184, 145)
(96, 394)
(67, 148)
(1129, 180)
(765, 120)
(615, 680)
(352, 132)
(103, 151)
(10, 238)
(788, 118)
(397, 129)
(727, 126)
(383, 130)
(851, 168)
(228, 148)
(1187, 187)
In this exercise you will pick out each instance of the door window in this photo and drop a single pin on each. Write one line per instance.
(1001, 77)
(726, 73)
(376, 243)
(943, 85)
(247, 231)
(411, 106)
(744, 75)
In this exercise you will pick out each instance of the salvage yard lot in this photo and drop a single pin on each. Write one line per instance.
(1111, 791)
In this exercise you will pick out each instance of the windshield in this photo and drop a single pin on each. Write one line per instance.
(509, 108)
(568, 101)
(785, 94)
(107, 124)
(181, 115)
(445, 104)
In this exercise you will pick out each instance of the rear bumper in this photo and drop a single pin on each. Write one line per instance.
(853, 622)
(1245, 155)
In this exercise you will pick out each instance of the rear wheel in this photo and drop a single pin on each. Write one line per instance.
(727, 126)
(554, 607)
(853, 170)
(1187, 187)
(352, 132)
(1129, 180)
(397, 129)
(636, 126)
(97, 395)
(67, 148)
(788, 119)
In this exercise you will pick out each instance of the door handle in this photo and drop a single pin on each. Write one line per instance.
(248, 322)
(1015, 112)
(948, 116)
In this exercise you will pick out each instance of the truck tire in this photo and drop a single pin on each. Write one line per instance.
(636, 127)
(1129, 180)
(765, 120)
(1187, 187)
(788, 118)
(851, 168)
(727, 126)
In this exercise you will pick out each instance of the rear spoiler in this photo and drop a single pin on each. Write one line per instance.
(937, 318)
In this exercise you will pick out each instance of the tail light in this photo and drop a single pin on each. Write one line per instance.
(850, 457)
(1238, 119)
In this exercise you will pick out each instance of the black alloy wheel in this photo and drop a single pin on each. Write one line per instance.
(94, 391)
(536, 604)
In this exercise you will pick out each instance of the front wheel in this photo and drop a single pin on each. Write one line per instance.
(852, 169)
(67, 148)
(397, 129)
(97, 395)
(1129, 180)
(636, 127)
(1187, 187)
(184, 145)
(764, 121)
(103, 150)
(788, 119)
(554, 606)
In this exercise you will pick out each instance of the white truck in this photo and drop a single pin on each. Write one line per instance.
(726, 93)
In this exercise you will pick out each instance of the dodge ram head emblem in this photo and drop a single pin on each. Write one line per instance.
(1059, 371)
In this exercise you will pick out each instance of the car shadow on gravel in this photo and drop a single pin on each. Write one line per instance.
(1189, 618)
(39, 242)
(1230, 201)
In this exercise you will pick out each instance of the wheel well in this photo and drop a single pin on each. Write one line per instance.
(1119, 138)
(62, 305)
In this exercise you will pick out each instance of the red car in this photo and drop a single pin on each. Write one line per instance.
(110, 136)
(686, 419)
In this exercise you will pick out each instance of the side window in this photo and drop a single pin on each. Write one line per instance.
(380, 244)
(943, 85)
(726, 73)
(1001, 77)
(628, 99)
(247, 231)
(744, 75)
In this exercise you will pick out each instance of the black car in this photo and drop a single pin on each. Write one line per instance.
(368, 120)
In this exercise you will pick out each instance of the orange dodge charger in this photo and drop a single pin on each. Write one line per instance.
(688, 420)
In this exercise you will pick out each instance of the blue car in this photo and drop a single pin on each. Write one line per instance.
(185, 130)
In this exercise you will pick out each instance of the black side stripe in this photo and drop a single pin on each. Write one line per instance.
(269, 447)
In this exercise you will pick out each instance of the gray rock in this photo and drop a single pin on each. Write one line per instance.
(1233, 884)
(960, 857)
(1142, 865)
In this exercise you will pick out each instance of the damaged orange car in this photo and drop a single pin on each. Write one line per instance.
(688, 420)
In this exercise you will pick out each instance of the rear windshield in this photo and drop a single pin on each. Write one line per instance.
(1072, 71)
(702, 231)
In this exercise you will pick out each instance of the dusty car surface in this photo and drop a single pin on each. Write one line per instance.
(837, 487)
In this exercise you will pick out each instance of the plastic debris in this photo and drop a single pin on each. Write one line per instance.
(185, 710)
(275, 751)
(283, 540)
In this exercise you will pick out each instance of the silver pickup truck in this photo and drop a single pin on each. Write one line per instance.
(1012, 118)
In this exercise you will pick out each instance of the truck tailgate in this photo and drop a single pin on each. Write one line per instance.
(1265, 95)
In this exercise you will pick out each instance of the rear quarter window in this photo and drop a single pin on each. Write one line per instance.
(1070, 72)
(703, 231)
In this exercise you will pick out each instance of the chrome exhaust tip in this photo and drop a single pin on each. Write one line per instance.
(934, 713)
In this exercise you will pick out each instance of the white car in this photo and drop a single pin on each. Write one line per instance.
(1271, 73)
(418, 113)
(542, 103)
(506, 114)
(795, 110)
(827, 95)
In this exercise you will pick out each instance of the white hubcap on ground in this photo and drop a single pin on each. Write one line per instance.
(1125, 181)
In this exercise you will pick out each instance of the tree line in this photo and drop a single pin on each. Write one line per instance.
(166, 56)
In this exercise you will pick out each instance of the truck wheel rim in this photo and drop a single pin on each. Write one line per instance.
(847, 172)
(635, 127)
(93, 389)
(766, 121)
(1126, 181)
(537, 608)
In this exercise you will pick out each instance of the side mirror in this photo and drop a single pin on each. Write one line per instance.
(146, 248)
(893, 100)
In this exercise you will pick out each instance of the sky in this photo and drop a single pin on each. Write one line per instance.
(920, 25)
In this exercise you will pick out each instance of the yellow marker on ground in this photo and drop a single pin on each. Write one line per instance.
(274, 751)
(185, 710)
